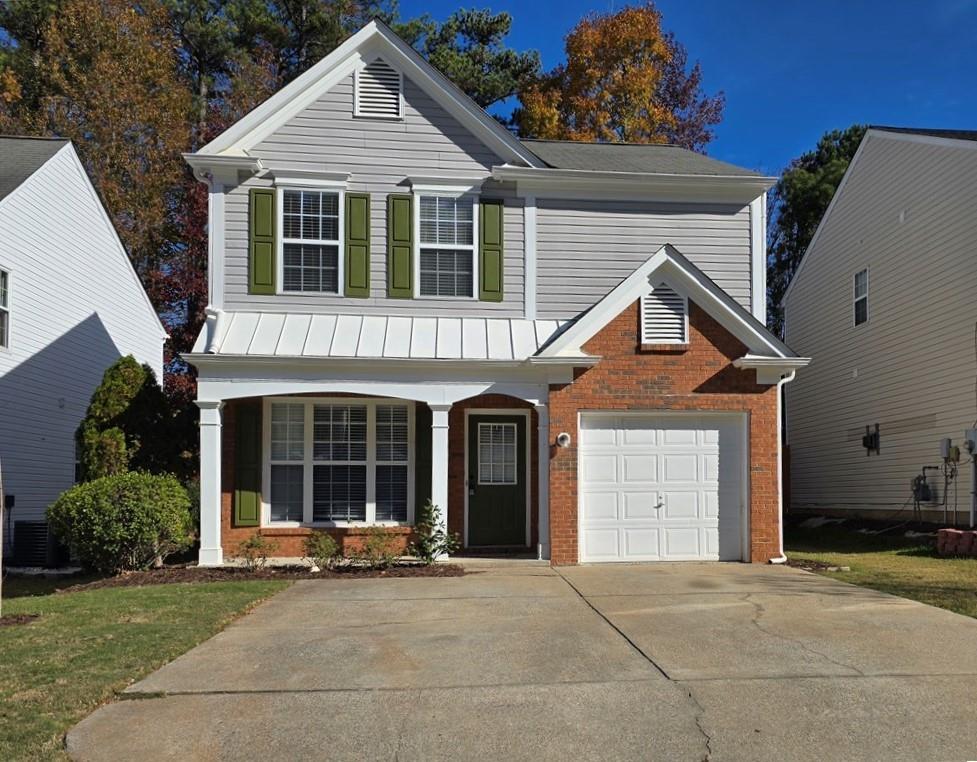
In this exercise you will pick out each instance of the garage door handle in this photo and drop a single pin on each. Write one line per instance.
(660, 504)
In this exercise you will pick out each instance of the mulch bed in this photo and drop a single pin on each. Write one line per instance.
(182, 574)
(8, 620)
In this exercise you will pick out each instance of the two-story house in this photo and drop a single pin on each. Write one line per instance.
(71, 304)
(883, 300)
(561, 345)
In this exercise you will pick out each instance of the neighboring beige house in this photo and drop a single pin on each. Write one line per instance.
(884, 301)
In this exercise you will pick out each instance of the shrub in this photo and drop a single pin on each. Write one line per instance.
(377, 551)
(127, 425)
(431, 541)
(321, 550)
(255, 550)
(123, 522)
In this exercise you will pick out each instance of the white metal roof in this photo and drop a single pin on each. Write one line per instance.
(267, 334)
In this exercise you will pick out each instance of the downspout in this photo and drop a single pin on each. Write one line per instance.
(781, 559)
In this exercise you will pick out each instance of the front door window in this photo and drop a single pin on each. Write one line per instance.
(497, 480)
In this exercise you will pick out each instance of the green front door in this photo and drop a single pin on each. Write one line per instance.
(497, 480)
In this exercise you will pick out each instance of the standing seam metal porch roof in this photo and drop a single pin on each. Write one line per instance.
(263, 334)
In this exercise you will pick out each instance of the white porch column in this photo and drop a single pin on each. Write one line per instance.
(439, 460)
(211, 553)
(543, 471)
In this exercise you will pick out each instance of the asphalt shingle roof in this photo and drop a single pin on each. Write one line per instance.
(933, 133)
(631, 157)
(20, 157)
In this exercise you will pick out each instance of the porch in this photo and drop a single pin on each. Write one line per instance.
(345, 458)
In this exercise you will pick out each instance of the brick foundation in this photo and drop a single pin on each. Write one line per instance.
(698, 376)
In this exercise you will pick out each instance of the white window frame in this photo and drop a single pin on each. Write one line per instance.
(445, 193)
(320, 187)
(5, 309)
(856, 298)
(645, 339)
(308, 462)
(356, 93)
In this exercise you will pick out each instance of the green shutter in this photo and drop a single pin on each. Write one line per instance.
(261, 267)
(357, 244)
(400, 246)
(247, 465)
(490, 251)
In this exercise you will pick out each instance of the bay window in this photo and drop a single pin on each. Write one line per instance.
(338, 462)
(446, 232)
(310, 225)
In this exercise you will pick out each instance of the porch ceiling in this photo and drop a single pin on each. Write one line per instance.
(374, 337)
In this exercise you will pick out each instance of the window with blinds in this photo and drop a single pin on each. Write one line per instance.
(447, 246)
(336, 461)
(310, 241)
(664, 317)
(4, 309)
(497, 453)
(378, 91)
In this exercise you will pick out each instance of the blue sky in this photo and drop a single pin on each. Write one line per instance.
(793, 70)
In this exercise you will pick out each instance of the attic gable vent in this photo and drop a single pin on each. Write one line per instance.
(378, 91)
(664, 317)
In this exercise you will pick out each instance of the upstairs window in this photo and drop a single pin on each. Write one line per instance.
(310, 241)
(4, 309)
(664, 317)
(447, 246)
(861, 297)
(378, 91)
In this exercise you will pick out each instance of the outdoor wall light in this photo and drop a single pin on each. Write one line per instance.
(563, 439)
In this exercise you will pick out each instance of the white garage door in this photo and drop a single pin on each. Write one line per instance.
(661, 487)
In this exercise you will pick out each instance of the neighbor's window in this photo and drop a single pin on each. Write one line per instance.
(310, 241)
(447, 246)
(4, 309)
(861, 297)
(352, 459)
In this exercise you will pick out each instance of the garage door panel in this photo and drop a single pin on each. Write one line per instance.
(600, 468)
(602, 506)
(640, 468)
(692, 464)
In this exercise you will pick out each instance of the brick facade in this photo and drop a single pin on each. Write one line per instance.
(699, 376)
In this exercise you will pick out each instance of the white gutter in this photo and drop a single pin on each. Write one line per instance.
(782, 558)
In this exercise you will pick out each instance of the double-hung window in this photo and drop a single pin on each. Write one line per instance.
(339, 461)
(861, 297)
(446, 231)
(4, 309)
(311, 234)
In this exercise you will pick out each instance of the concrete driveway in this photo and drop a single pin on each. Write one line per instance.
(672, 662)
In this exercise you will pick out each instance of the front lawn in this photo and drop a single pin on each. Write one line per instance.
(890, 562)
(86, 645)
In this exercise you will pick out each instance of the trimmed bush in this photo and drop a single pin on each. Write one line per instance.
(321, 550)
(124, 522)
(255, 550)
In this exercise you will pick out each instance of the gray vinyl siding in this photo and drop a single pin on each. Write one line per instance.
(911, 368)
(380, 155)
(75, 308)
(585, 248)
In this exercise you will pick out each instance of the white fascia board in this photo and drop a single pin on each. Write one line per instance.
(770, 370)
(372, 41)
(669, 265)
(309, 178)
(222, 169)
(579, 183)
(758, 257)
(827, 213)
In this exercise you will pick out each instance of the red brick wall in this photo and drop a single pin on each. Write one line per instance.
(632, 377)
(457, 465)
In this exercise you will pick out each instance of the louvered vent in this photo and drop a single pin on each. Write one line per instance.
(378, 91)
(663, 319)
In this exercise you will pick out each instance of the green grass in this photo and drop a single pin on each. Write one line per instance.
(88, 645)
(891, 563)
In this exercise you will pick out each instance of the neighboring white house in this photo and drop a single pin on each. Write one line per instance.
(884, 301)
(70, 305)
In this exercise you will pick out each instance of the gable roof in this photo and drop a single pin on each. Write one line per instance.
(21, 157)
(966, 139)
(631, 157)
(669, 265)
(374, 40)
